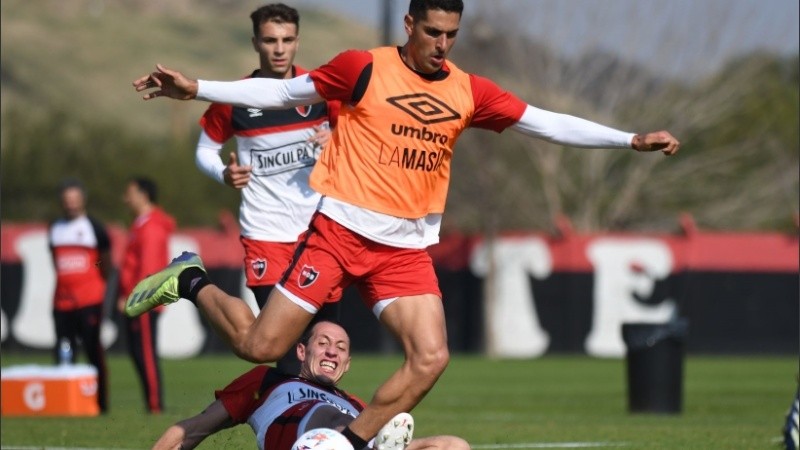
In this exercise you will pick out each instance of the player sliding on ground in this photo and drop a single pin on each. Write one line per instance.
(281, 407)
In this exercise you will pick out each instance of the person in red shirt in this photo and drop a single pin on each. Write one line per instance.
(383, 180)
(146, 252)
(81, 253)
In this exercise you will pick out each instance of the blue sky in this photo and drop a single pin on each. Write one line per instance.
(684, 38)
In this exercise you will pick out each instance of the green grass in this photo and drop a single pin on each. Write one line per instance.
(729, 403)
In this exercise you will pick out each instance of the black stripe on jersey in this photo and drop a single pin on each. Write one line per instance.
(283, 420)
(272, 378)
(301, 246)
(244, 119)
(362, 83)
(103, 242)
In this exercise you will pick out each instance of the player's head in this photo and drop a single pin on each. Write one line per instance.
(73, 198)
(324, 352)
(140, 193)
(275, 39)
(431, 26)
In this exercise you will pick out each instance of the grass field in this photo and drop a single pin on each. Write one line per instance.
(551, 402)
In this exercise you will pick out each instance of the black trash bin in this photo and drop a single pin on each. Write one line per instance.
(655, 365)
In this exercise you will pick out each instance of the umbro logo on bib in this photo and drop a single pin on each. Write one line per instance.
(255, 112)
(425, 108)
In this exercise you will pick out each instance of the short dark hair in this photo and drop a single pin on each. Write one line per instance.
(274, 12)
(147, 186)
(71, 183)
(418, 9)
(306, 337)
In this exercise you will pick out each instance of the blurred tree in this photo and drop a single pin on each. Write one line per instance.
(39, 151)
(737, 168)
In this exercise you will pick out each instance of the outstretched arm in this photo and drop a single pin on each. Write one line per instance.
(188, 434)
(576, 132)
(265, 93)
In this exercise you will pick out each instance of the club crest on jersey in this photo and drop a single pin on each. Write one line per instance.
(303, 110)
(308, 275)
(259, 267)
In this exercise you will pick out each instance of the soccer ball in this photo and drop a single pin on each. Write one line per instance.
(322, 439)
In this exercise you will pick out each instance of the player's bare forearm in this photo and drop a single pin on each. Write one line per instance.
(661, 141)
(189, 433)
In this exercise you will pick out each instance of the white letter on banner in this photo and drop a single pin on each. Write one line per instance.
(624, 268)
(180, 332)
(32, 326)
(512, 324)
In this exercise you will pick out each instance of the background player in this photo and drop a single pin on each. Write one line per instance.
(146, 251)
(276, 150)
(81, 253)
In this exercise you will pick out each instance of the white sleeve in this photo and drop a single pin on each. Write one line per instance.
(207, 157)
(264, 93)
(570, 130)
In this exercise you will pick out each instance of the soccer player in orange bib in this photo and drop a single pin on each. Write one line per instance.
(383, 180)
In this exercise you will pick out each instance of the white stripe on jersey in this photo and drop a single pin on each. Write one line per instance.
(76, 232)
(287, 395)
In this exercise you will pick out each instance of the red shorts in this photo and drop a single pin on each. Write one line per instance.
(329, 257)
(264, 262)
